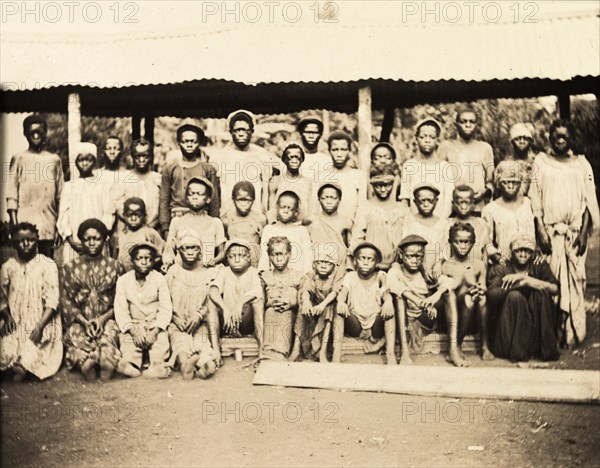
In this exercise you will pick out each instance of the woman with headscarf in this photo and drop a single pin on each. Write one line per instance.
(521, 292)
(521, 139)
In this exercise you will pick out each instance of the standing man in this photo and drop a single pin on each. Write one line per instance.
(34, 184)
(316, 163)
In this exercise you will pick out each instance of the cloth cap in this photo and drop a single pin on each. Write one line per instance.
(384, 144)
(85, 147)
(139, 245)
(191, 128)
(333, 185)
(309, 120)
(362, 245)
(521, 129)
(237, 241)
(508, 170)
(323, 253)
(204, 181)
(238, 112)
(423, 185)
(411, 240)
(428, 120)
(92, 223)
(188, 238)
(521, 240)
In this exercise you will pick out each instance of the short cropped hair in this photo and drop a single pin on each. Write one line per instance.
(243, 117)
(284, 155)
(463, 109)
(25, 226)
(461, 227)
(279, 240)
(463, 188)
(34, 119)
(246, 187)
(289, 193)
(115, 137)
(558, 123)
(134, 201)
(339, 136)
(141, 142)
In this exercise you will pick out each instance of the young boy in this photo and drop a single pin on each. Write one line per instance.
(188, 283)
(383, 154)
(379, 220)
(88, 292)
(317, 163)
(317, 295)
(34, 183)
(236, 298)
(112, 175)
(287, 225)
(243, 222)
(83, 198)
(143, 311)
(428, 168)
(365, 304)
(352, 181)
(211, 230)
(463, 204)
(472, 159)
(329, 231)
(177, 174)
(134, 232)
(281, 287)
(427, 225)
(30, 326)
(291, 179)
(419, 301)
(142, 182)
(521, 139)
(470, 277)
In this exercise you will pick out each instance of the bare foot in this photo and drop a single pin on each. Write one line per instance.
(157, 371)
(106, 372)
(88, 369)
(390, 360)
(189, 366)
(486, 355)
(405, 360)
(218, 359)
(18, 374)
(456, 358)
(128, 369)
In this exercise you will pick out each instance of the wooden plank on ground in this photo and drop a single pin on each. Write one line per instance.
(504, 383)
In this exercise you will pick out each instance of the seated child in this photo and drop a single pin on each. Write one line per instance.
(287, 225)
(463, 203)
(292, 179)
(244, 222)
(318, 292)
(281, 286)
(210, 229)
(470, 275)
(188, 332)
(134, 232)
(366, 305)
(509, 214)
(236, 298)
(88, 292)
(429, 226)
(419, 301)
(143, 311)
(30, 325)
(379, 220)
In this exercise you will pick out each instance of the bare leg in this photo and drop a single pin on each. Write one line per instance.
(88, 369)
(325, 342)
(465, 314)
(106, 371)
(258, 312)
(188, 365)
(212, 320)
(390, 341)
(338, 336)
(452, 320)
(295, 354)
(401, 321)
(482, 315)
(18, 373)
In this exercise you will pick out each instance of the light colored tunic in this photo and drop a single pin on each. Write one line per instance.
(34, 183)
(503, 224)
(561, 191)
(303, 187)
(27, 288)
(147, 187)
(302, 255)
(436, 236)
(248, 227)
(440, 174)
(316, 166)
(364, 299)
(354, 188)
(126, 239)
(237, 290)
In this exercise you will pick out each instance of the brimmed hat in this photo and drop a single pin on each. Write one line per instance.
(333, 185)
(412, 240)
(204, 181)
(309, 120)
(521, 130)
(428, 120)
(235, 114)
(191, 128)
(425, 185)
(363, 245)
(139, 245)
(237, 241)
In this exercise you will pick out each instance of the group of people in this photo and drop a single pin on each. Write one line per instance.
(297, 251)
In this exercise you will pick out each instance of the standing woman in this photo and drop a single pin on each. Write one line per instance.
(522, 293)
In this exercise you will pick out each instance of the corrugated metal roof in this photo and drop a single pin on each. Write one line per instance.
(556, 48)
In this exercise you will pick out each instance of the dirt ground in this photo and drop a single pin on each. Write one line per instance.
(227, 421)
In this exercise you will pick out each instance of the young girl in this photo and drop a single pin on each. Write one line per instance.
(88, 284)
(281, 300)
(244, 222)
(366, 305)
(379, 220)
(188, 332)
(312, 328)
(521, 139)
(509, 214)
(428, 168)
(287, 225)
(83, 198)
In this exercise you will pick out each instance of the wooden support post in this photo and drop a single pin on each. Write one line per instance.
(388, 125)
(136, 122)
(325, 119)
(74, 129)
(564, 106)
(149, 128)
(365, 127)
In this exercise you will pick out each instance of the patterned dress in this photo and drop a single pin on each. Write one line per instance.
(89, 289)
(28, 288)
